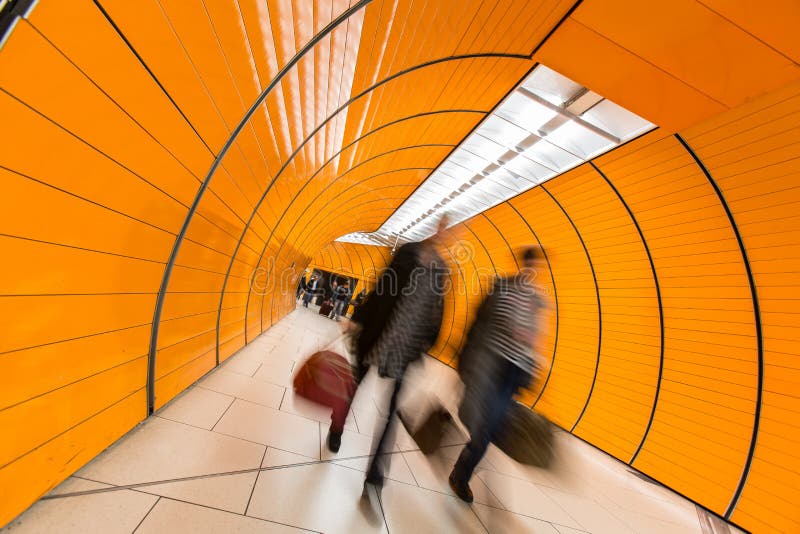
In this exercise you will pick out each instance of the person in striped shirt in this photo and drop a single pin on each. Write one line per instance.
(496, 361)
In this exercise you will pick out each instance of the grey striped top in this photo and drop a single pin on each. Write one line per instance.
(516, 305)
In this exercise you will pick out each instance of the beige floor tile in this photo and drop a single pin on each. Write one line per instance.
(398, 468)
(278, 373)
(198, 407)
(431, 472)
(229, 492)
(294, 404)
(526, 498)
(271, 427)
(322, 497)
(98, 513)
(585, 490)
(254, 360)
(506, 466)
(281, 356)
(589, 514)
(365, 398)
(353, 444)
(353, 454)
(679, 511)
(73, 485)
(267, 341)
(646, 524)
(356, 451)
(368, 419)
(276, 457)
(371, 423)
(162, 450)
(178, 517)
(241, 365)
(244, 387)
(567, 530)
(268, 352)
(502, 522)
(413, 509)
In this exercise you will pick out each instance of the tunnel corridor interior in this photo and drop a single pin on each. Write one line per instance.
(171, 167)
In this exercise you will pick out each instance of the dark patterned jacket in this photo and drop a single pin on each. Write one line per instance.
(401, 318)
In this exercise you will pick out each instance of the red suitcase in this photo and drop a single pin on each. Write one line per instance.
(327, 378)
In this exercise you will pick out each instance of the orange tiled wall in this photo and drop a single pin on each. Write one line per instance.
(167, 164)
(665, 355)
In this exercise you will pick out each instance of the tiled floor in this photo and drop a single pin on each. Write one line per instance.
(238, 452)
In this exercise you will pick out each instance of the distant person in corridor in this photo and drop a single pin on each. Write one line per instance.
(342, 297)
(311, 290)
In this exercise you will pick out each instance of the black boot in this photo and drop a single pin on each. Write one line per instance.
(334, 441)
(461, 490)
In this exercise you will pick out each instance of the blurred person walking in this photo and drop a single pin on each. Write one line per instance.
(399, 321)
(496, 361)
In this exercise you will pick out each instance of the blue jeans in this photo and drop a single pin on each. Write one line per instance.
(498, 405)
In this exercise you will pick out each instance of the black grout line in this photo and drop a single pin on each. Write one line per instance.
(403, 456)
(242, 439)
(335, 464)
(212, 475)
(380, 505)
(92, 480)
(281, 411)
(502, 506)
(472, 509)
(255, 482)
(233, 399)
(145, 515)
(207, 430)
(283, 396)
(209, 507)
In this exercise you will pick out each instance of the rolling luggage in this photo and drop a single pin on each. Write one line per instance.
(327, 378)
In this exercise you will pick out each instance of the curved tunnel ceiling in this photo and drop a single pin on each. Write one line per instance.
(173, 166)
(547, 125)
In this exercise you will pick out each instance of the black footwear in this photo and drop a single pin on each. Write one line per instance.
(461, 490)
(334, 441)
(374, 478)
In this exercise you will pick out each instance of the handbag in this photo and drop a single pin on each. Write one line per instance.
(526, 437)
(428, 435)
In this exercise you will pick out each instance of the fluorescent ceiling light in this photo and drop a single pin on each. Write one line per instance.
(546, 126)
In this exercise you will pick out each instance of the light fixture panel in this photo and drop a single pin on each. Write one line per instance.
(548, 125)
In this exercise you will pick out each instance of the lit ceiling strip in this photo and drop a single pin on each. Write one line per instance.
(545, 127)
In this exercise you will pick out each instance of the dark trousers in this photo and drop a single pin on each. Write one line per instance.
(381, 461)
(498, 405)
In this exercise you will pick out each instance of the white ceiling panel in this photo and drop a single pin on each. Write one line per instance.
(547, 126)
